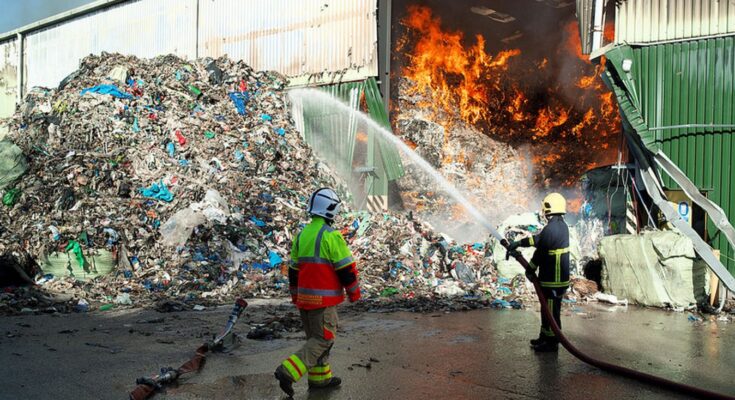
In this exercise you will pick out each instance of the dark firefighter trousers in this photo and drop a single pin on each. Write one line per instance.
(553, 299)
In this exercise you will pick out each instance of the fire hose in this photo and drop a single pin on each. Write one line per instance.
(148, 386)
(603, 365)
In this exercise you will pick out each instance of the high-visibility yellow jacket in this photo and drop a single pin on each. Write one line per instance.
(322, 268)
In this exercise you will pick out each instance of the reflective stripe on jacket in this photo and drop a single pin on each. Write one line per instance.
(552, 253)
(322, 267)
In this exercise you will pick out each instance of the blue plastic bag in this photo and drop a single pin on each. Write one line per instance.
(240, 100)
(112, 90)
(500, 303)
(158, 191)
(262, 266)
(274, 259)
(171, 149)
(258, 222)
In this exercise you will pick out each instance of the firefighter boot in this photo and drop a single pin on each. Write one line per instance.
(284, 381)
(547, 346)
(320, 377)
(538, 340)
(332, 383)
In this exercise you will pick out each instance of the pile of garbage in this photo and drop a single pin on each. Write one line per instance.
(493, 175)
(180, 183)
(401, 257)
(186, 177)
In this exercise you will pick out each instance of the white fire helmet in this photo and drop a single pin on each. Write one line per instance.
(325, 203)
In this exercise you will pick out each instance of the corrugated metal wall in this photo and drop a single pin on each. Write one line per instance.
(642, 21)
(325, 40)
(145, 28)
(8, 80)
(585, 16)
(314, 37)
(693, 82)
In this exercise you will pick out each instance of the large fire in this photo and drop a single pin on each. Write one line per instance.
(569, 119)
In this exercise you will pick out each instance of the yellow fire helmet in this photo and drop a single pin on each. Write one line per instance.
(554, 203)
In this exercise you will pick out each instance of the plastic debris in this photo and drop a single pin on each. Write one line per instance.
(82, 306)
(11, 197)
(240, 100)
(158, 191)
(112, 90)
(123, 299)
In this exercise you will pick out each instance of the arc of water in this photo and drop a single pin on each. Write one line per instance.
(313, 95)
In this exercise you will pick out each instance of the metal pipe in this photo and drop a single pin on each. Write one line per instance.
(196, 30)
(606, 366)
(599, 25)
(384, 50)
(19, 72)
(661, 128)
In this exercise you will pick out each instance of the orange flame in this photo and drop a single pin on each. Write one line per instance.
(572, 126)
(574, 204)
(609, 32)
(440, 57)
(547, 120)
(516, 107)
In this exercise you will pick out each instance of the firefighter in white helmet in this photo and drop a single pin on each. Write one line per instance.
(551, 258)
(322, 270)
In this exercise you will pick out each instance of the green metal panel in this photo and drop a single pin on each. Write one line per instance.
(320, 117)
(381, 154)
(686, 83)
(391, 159)
(350, 93)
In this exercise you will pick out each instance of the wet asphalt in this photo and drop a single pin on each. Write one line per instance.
(482, 354)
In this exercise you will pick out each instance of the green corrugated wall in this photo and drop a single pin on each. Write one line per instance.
(689, 82)
(382, 154)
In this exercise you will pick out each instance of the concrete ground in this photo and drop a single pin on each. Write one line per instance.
(480, 354)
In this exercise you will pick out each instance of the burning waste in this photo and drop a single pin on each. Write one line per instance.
(554, 114)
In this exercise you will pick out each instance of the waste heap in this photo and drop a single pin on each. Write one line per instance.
(492, 174)
(180, 182)
(133, 156)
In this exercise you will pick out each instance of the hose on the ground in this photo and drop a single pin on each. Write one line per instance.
(606, 366)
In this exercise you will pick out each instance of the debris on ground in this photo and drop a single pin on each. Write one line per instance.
(610, 299)
(582, 289)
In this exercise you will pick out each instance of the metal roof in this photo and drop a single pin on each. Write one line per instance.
(647, 21)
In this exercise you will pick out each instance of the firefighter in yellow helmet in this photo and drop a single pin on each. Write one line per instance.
(322, 270)
(551, 258)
